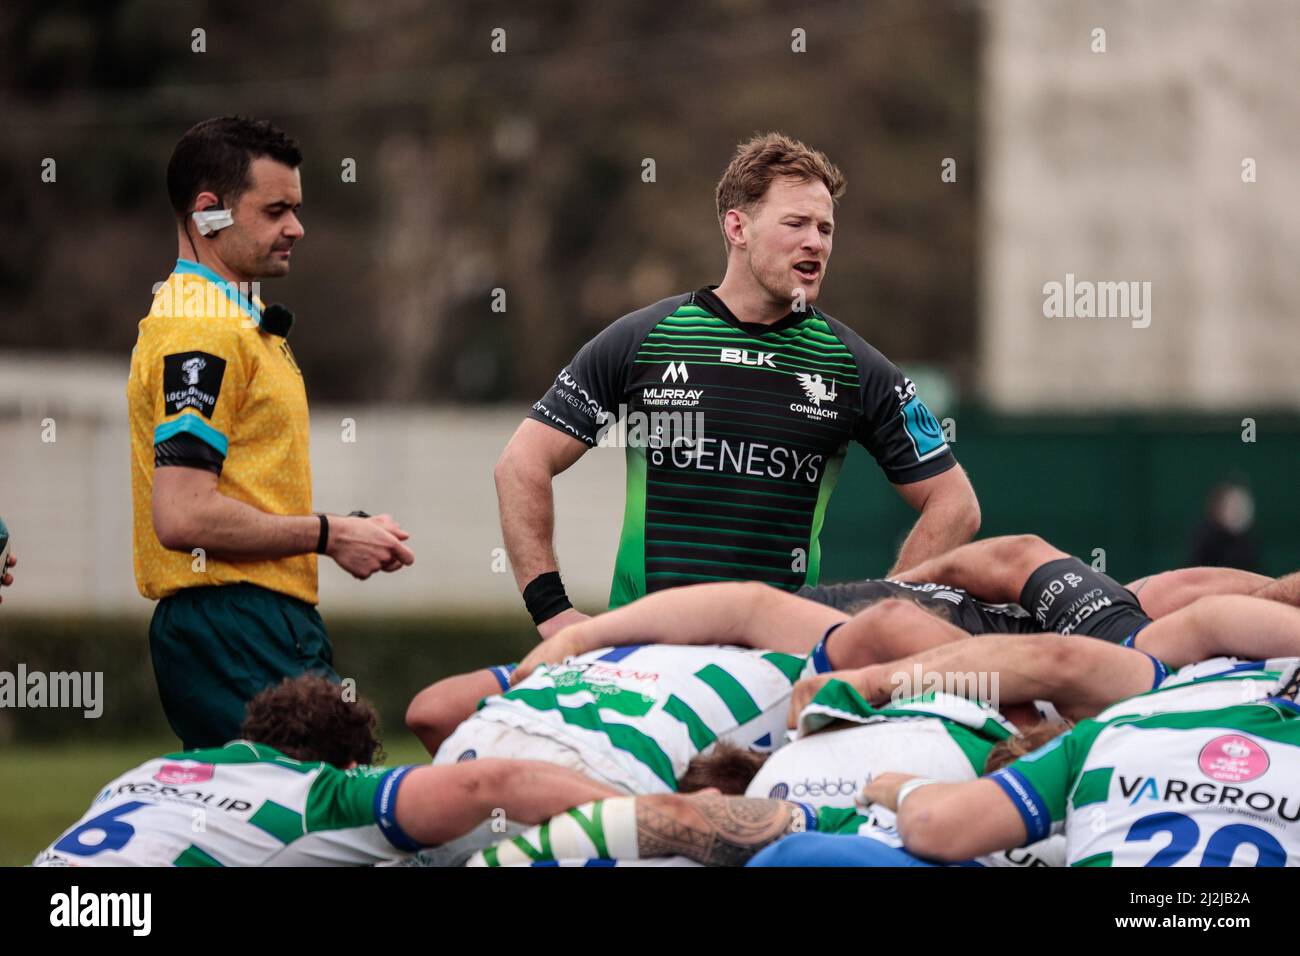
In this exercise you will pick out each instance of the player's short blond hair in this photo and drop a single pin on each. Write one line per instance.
(763, 158)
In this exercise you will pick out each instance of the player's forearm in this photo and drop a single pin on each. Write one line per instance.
(696, 614)
(1285, 590)
(526, 503)
(437, 804)
(946, 521)
(1027, 668)
(948, 821)
(230, 530)
(712, 830)
(535, 791)
(935, 822)
(1223, 625)
(440, 708)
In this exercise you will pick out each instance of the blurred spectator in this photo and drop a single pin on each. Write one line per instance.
(1224, 537)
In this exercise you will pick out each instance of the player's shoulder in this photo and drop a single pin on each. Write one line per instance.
(1259, 713)
(637, 324)
(161, 333)
(841, 330)
(195, 300)
(868, 358)
(617, 343)
(243, 752)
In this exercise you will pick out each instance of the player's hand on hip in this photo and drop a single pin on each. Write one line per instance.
(567, 617)
(362, 546)
(551, 651)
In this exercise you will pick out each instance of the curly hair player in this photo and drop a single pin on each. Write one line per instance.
(299, 790)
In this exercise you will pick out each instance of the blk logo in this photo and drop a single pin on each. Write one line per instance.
(745, 357)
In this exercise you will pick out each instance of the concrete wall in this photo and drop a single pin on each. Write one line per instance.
(1126, 165)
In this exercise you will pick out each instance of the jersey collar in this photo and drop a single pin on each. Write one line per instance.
(707, 299)
(251, 306)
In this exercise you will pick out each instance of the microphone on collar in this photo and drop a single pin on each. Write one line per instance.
(277, 320)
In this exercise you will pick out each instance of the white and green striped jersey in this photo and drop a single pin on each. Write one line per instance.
(1208, 685)
(638, 714)
(934, 734)
(243, 804)
(1191, 788)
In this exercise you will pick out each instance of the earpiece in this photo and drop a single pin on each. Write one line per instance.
(211, 220)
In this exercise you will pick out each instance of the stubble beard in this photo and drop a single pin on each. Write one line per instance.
(780, 287)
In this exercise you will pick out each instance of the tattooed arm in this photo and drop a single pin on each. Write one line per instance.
(707, 828)
(713, 830)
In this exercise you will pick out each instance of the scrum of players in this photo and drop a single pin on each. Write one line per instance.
(1004, 704)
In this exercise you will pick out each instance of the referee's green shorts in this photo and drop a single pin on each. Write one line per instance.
(215, 648)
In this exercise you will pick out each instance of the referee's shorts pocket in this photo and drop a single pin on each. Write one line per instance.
(312, 649)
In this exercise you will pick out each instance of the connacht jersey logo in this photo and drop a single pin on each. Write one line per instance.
(816, 389)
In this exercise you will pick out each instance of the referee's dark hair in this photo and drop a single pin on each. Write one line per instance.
(215, 155)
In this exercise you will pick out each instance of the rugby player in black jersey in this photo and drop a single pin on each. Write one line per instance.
(1069, 596)
(739, 402)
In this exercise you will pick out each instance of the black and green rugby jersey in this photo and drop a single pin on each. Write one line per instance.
(735, 433)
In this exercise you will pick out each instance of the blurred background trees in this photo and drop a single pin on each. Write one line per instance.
(478, 170)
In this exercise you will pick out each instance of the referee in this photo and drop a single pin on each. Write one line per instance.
(747, 396)
(225, 538)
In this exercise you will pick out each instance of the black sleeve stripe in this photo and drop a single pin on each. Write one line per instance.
(186, 451)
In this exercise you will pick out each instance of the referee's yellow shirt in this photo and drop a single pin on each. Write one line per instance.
(203, 365)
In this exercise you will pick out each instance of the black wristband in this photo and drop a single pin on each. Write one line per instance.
(545, 597)
(323, 541)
